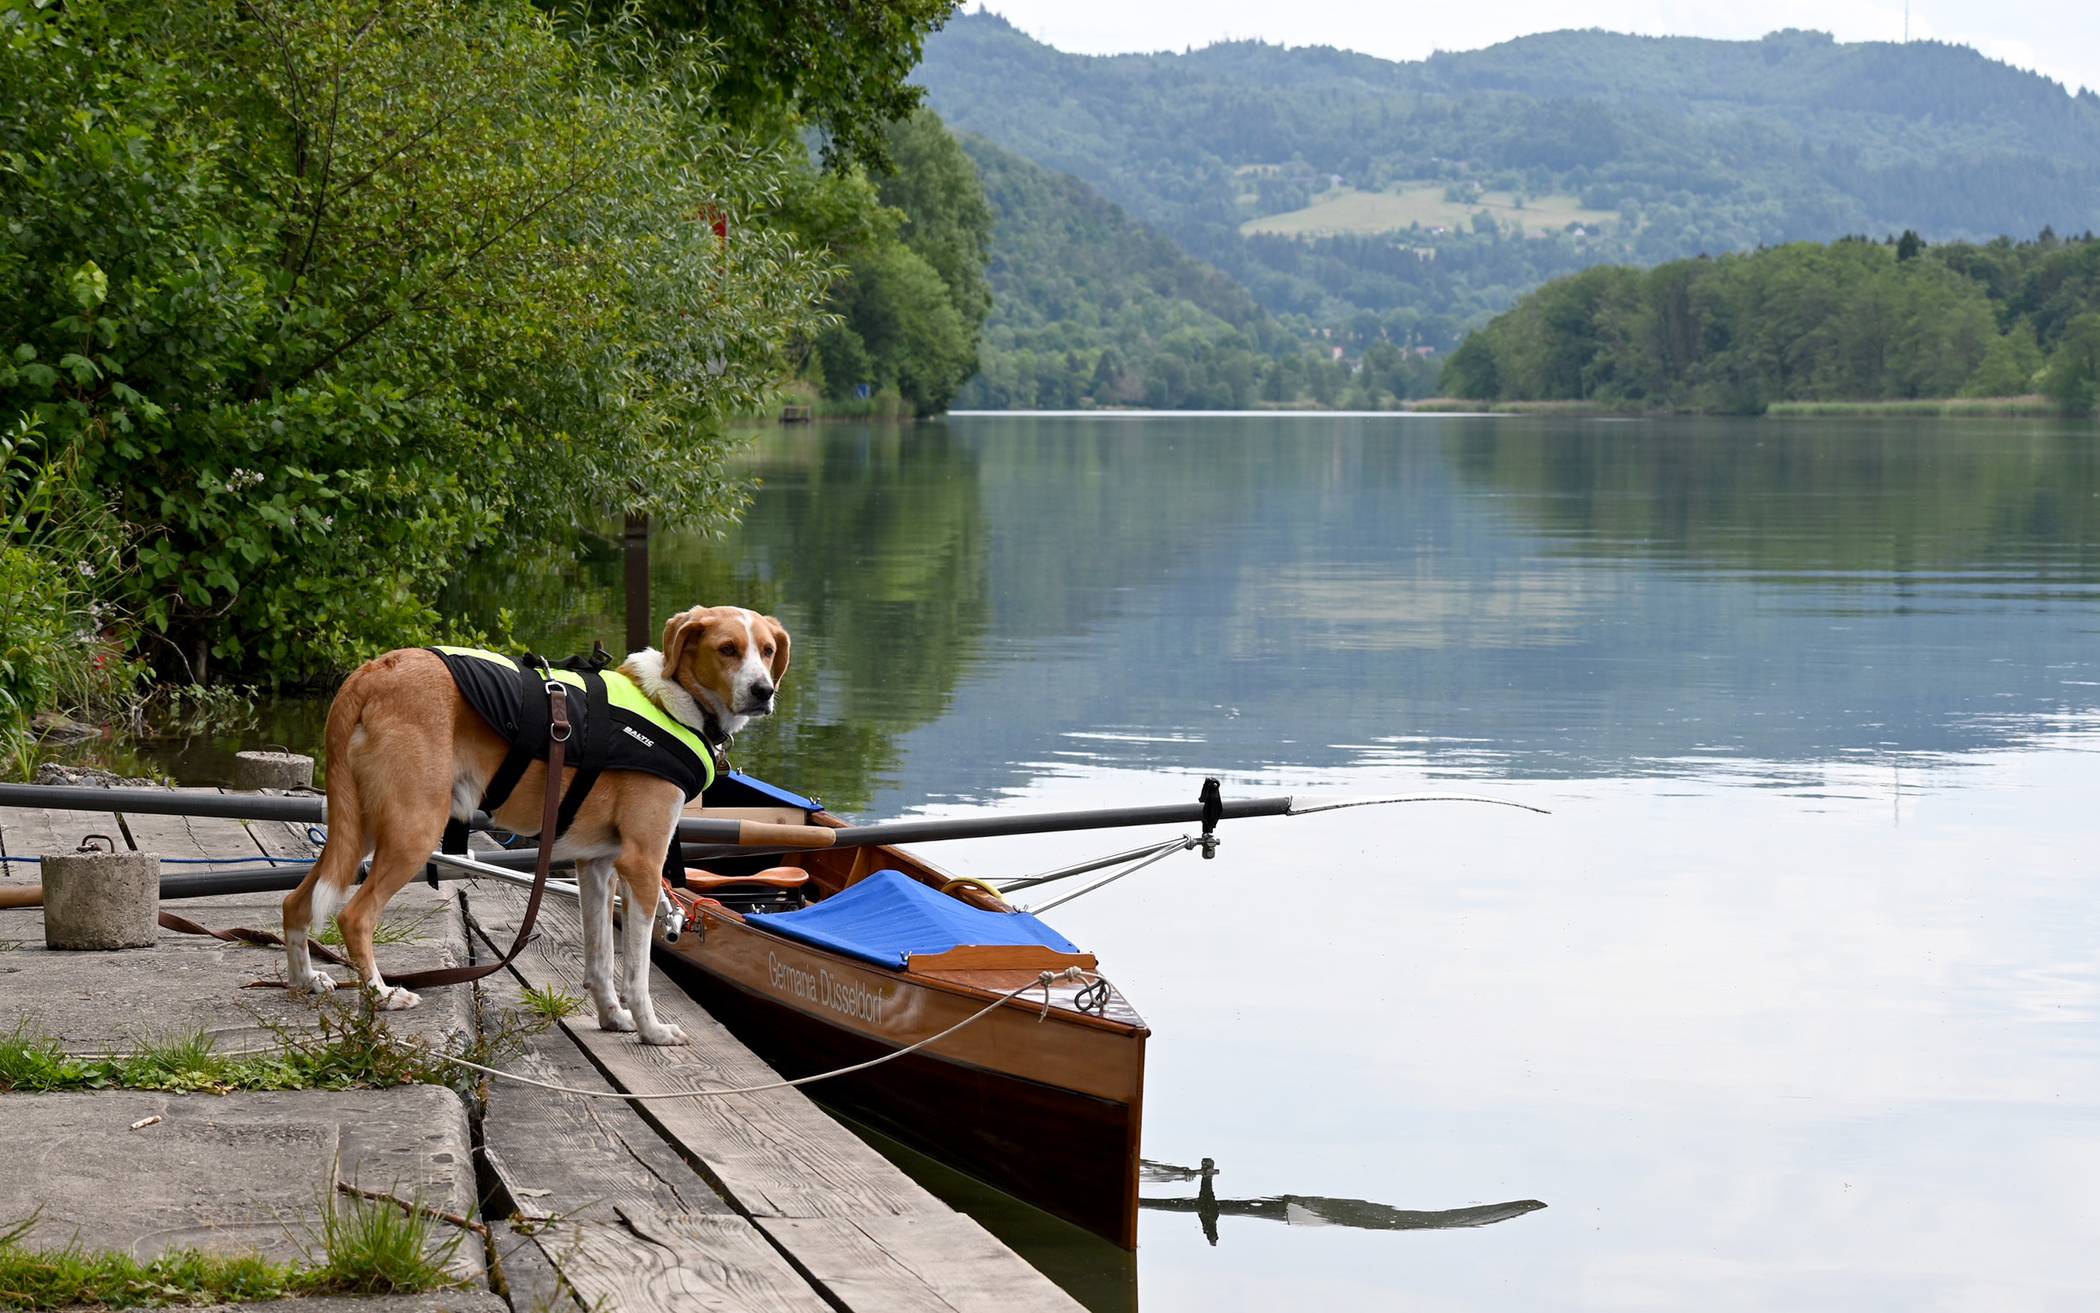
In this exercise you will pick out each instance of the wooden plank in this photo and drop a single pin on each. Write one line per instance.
(874, 1239)
(557, 1155)
(677, 1262)
(285, 839)
(42, 832)
(919, 1264)
(193, 839)
(774, 1154)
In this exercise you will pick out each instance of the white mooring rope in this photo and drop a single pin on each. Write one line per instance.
(1042, 982)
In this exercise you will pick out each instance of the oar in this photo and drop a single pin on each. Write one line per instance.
(1098, 818)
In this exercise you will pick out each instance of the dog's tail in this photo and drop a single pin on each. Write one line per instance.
(327, 887)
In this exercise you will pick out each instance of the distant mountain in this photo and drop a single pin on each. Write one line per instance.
(1418, 198)
(1087, 302)
(1092, 308)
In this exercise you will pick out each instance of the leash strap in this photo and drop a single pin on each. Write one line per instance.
(243, 935)
(597, 746)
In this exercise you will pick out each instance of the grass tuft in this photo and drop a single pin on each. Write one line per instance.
(353, 1047)
(551, 1002)
(371, 1248)
(32, 1064)
(360, 1249)
(386, 932)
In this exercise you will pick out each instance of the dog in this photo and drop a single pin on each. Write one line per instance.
(407, 752)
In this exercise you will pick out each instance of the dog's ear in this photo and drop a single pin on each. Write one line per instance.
(780, 649)
(675, 631)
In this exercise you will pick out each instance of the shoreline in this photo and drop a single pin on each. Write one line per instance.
(2031, 406)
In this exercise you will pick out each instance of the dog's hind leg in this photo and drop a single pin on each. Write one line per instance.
(595, 878)
(400, 857)
(327, 884)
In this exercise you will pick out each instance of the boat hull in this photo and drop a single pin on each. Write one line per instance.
(1047, 1109)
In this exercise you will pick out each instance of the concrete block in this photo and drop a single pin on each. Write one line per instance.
(272, 770)
(101, 900)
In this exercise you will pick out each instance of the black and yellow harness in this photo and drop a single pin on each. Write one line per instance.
(615, 726)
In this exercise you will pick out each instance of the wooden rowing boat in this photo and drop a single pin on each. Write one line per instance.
(1041, 1097)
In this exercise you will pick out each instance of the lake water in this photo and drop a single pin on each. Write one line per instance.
(1790, 1004)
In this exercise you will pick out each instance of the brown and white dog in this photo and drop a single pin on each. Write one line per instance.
(406, 753)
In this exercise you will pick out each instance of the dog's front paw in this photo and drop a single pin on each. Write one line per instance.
(615, 1018)
(315, 984)
(663, 1033)
(393, 998)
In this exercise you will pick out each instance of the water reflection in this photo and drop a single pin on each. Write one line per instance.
(1313, 1210)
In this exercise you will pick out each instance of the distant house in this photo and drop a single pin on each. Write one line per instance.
(1336, 353)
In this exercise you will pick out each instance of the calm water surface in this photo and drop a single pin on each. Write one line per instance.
(1790, 1003)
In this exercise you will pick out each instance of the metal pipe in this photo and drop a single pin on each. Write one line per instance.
(271, 807)
(165, 802)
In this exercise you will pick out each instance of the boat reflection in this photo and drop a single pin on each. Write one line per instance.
(1313, 1210)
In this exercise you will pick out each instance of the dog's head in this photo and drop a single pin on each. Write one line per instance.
(730, 661)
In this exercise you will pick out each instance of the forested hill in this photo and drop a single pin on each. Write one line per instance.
(1091, 307)
(1433, 193)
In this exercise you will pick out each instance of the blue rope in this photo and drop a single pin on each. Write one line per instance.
(315, 835)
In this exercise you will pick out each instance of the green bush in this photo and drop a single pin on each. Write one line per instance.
(325, 298)
(55, 548)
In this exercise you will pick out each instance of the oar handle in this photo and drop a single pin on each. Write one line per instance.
(767, 834)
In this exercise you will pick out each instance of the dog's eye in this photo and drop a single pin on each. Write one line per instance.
(728, 649)
(765, 654)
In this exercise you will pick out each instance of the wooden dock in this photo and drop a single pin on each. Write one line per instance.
(749, 1202)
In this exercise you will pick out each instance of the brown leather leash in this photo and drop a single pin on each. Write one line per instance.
(437, 977)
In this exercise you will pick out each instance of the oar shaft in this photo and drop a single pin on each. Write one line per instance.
(1000, 825)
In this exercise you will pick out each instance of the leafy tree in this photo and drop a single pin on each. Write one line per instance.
(2009, 366)
(947, 220)
(915, 337)
(2073, 380)
(914, 294)
(839, 65)
(1851, 320)
(323, 299)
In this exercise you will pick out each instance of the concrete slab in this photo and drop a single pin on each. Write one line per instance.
(236, 1173)
(110, 1002)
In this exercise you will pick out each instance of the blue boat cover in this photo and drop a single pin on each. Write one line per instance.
(889, 916)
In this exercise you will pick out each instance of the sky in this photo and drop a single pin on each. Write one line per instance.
(2057, 38)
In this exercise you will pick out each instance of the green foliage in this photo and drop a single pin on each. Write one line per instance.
(1691, 145)
(2010, 363)
(2073, 380)
(372, 1247)
(1850, 321)
(72, 1276)
(323, 299)
(56, 544)
(914, 295)
(551, 1001)
(351, 1047)
(361, 1248)
(839, 65)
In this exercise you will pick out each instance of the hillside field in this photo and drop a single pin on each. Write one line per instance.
(1348, 210)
